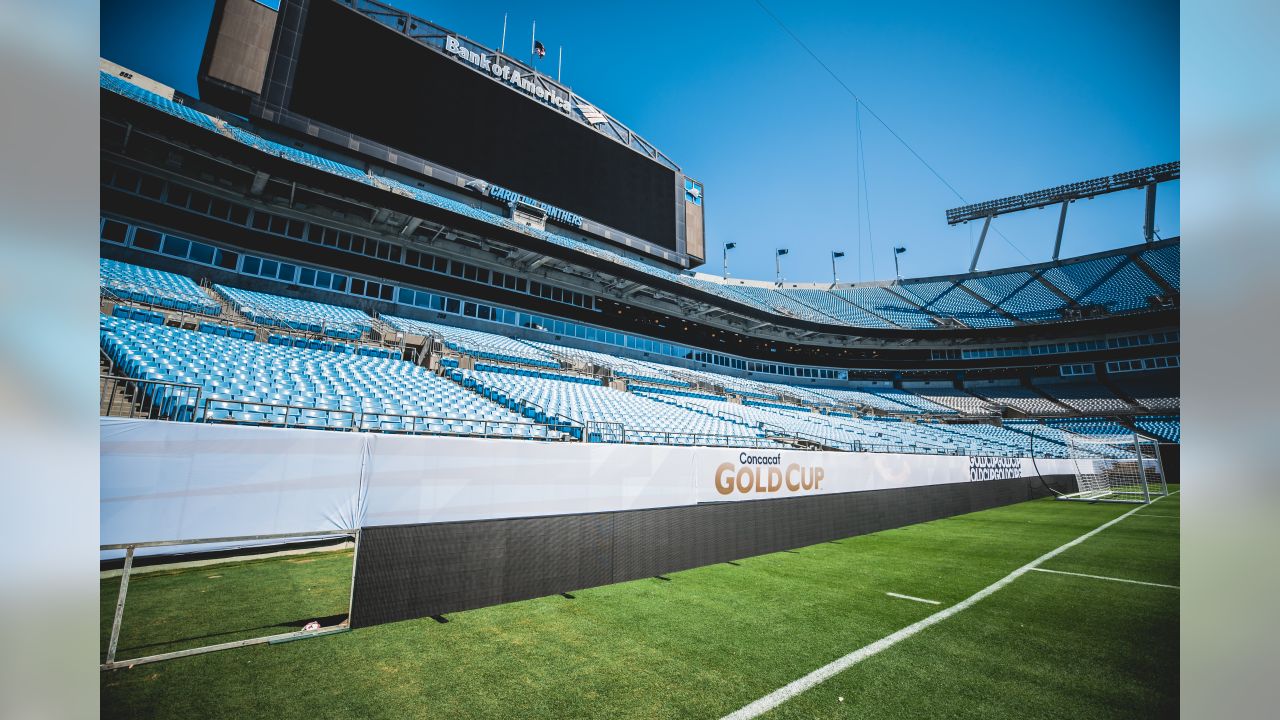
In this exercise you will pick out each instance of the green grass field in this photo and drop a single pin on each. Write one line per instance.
(705, 643)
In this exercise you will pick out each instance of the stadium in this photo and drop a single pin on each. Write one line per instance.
(414, 413)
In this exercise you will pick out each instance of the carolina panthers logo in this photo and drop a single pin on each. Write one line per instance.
(692, 192)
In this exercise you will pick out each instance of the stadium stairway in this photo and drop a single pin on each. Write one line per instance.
(113, 399)
(521, 406)
(229, 310)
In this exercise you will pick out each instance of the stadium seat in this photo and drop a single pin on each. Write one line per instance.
(246, 381)
(154, 287)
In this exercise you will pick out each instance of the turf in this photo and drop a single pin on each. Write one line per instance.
(711, 639)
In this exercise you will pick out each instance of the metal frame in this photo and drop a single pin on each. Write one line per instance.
(1130, 180)
(111, 663)
(239, 321)
(431, 35)
(143, 402)
(1148, 178)
(1145, 494)
(199, 408)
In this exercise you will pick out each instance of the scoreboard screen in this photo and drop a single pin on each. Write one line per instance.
(371, 80)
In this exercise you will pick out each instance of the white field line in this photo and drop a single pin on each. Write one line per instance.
(909, 597)
(1155, 515)
(1104, 577)
(795, 687)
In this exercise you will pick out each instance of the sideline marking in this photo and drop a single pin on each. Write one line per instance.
(1155, 515)
(909, 597)
(1104, 577)
(795, 687)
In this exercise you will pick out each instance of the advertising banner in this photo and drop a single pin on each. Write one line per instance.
(183, 481)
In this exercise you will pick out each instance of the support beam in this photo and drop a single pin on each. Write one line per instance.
(539, 262)
(1062, 222)
(411, 226)
(1149, 223)
(986, 225)
(259, 183)
(124, 589)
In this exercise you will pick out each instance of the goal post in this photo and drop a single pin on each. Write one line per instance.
(1117, 468)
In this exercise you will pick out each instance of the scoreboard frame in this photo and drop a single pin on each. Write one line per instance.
(269, 98)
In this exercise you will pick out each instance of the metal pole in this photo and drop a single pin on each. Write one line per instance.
(1142, 470)
(834, 279)
(502, 47)
(1164, 484)
(533, 42)
(124, 589)
(1062, 221)
(560, 64)
(355, 558)
(777, 267)
(896, 272)
(725, 253)
(1149, 226)
(981, 239)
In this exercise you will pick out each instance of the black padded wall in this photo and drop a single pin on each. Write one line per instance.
(412, 571)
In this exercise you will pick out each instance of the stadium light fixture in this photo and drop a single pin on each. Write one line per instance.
(727, 248)
(1148, 177)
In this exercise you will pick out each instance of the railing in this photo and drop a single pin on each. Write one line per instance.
(618, 433)
(121, 396)
(235, 319)
(423, 425)
(308, 416)
(110, 294)
(167, 400)
(183, 317)
(127, 397)
(604, 431)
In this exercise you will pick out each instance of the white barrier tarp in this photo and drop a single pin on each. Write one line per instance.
(415, 479)
(184, 481)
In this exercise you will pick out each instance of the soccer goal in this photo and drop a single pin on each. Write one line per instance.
(1118, 468)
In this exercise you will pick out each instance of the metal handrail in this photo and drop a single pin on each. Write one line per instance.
(625, 435)
(242, 322)
(148, 405)
(170, 313)
(199, 404)
(414, 424)
(361, 418)
(488, 426)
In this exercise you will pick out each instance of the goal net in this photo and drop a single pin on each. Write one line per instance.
(1119, 468)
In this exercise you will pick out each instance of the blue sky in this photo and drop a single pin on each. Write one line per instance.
(1000, 98)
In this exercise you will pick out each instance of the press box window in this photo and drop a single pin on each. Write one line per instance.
(114, 231)
(146, 239)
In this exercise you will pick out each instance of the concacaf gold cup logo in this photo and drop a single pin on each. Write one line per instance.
(765, 474)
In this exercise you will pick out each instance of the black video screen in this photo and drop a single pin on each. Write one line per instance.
(370, 80)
